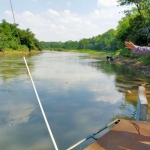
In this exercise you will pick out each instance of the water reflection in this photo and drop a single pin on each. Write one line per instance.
(126, 79)
(12, 67)
(80, 94)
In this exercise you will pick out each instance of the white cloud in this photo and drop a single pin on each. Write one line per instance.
(8, 13)
(51, 12)
(68, 3)
(53, 25)
(106, 3)
(17, 113)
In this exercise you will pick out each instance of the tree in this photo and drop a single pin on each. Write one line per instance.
(11, 37)
(143, 9)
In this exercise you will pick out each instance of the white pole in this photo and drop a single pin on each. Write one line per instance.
(48, 127)
(142, 104)
(92, 135)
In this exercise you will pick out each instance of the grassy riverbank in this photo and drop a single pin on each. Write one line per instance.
(134, 64)
(129, 62)
(89, 51)
(12, 52)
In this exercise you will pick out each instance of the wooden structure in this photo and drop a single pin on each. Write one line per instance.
(142, 105)
(126, 135)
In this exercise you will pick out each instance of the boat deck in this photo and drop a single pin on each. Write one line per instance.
(126, 135)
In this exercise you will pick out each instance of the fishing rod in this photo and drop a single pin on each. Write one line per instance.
(15, 23)
(42, 110)
(92, 135)
(43, 113)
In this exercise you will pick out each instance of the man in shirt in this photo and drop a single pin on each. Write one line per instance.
(141, 50)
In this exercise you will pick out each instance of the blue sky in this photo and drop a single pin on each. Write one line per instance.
(63, 20)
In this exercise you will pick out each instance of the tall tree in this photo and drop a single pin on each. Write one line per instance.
(9, 37)
(143, 8)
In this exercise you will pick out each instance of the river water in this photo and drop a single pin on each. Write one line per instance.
(80, 94)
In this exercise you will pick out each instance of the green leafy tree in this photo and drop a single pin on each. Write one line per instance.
(142, 19)
(11, 37)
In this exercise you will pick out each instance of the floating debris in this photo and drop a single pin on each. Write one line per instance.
(128, 92)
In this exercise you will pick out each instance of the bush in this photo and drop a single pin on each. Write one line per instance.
(13, 45)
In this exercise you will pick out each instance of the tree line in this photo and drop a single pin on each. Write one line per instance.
(135, 27)
(105, 41)
(13, 38)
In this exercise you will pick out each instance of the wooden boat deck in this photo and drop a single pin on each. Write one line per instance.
(126, 135)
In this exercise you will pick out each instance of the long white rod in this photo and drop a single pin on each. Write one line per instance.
(90, 136)
(48, 126)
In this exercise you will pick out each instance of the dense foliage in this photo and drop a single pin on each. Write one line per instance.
(135, 26)
(13, 38)
(106, 41)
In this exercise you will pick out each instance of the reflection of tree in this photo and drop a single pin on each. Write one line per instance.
(125, 79)
(127, 112)
(13, 66)
(104, 66)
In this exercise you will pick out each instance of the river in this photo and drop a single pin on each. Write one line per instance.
(80, 94)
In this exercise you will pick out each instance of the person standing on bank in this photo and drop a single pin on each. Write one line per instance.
(140, 50)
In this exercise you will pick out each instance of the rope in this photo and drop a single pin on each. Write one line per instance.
(43, 113)
(48, 127)
(19, 41)
(12, 11)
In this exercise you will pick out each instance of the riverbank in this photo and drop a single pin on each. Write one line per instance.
(19, 52)
(125, 61)
(134, 64)
(89, 51)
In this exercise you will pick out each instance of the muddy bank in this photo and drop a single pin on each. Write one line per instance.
(134, 64)
(19, 52)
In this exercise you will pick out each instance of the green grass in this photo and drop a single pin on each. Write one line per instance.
(89, 51)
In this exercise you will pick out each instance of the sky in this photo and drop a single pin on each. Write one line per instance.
(63, 20)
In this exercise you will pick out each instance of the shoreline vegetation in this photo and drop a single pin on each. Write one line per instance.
(134, 26)
(15, 39)
(129, 62)
(10, 52)
(132, 62)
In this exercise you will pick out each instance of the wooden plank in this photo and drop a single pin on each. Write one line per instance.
(126, 135)
(142, 105)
